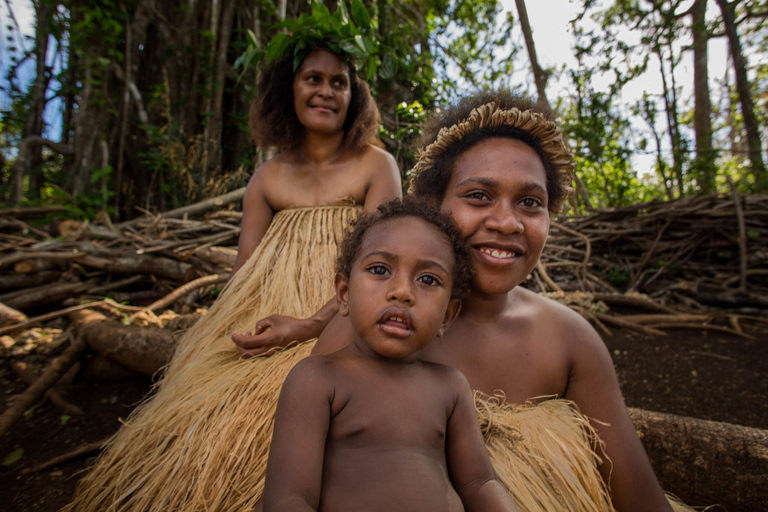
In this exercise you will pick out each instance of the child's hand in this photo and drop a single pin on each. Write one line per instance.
(271, 334)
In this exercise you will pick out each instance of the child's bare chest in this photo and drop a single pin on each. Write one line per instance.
(385, 414)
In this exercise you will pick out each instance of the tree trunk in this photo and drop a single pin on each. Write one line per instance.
(32, 155)
(142, 349)
(742, 86)
(702, 113)
(706, 462)
(539, 75)
(671, 113)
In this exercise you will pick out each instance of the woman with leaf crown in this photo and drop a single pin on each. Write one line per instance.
(201, 442)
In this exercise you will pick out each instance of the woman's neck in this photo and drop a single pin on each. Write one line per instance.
(485, 308)
(320, 148)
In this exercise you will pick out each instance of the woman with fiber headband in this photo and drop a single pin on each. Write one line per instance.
(554, 421)
(201, 442)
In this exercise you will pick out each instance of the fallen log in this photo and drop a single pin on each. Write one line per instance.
(706, 462)
(29, 266)
(9, 316)
(141, 264)
(223, 256)
(45, 294)
(193, 209)
(142, 349)
(48, 378)
(16, 281)
(33, 211)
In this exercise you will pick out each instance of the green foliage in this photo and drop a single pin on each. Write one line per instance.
(467, 36)
(344, 35)
(404, 133)
(13, 457)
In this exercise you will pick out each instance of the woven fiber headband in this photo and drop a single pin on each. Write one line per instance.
(490, 115)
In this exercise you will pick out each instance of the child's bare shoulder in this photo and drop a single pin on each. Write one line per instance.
(314, 370)
(447, 376)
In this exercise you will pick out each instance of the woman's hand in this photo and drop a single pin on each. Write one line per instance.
(271, 334)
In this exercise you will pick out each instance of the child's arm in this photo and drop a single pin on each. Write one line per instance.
(295, 465)
(470, 467)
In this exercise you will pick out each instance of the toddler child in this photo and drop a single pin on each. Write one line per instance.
(371, 427)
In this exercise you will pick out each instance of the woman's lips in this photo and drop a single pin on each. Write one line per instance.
(323, 108)
(496, 255)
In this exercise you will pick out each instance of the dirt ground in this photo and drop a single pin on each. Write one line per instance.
(705, 374)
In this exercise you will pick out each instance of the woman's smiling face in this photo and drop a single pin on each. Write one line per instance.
(322, 92)
(497, 196)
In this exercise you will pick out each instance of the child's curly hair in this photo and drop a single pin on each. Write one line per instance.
(273, 120)
(409, 207)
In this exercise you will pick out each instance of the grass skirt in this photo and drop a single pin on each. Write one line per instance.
(201, 443)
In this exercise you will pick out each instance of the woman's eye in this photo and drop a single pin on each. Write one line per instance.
(532, 202)
(341, 84)
(477, 195)
(429, 280)
(378, 270)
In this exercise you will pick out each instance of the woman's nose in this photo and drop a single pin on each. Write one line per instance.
(325, 90)
(504, 220)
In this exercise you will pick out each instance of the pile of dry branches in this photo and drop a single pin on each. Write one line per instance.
(698, 261)
(695, 261)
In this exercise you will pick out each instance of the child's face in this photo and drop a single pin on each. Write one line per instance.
(398, 296)
(497, 196)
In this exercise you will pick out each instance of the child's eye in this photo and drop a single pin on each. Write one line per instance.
(429, 280)
(378, 270)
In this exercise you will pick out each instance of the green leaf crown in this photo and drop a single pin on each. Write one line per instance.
(349, 37)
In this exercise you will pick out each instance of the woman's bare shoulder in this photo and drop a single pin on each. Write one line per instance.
(556, 316)
(375, 159)
(275, 165)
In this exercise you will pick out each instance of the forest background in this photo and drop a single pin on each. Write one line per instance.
(154, 106)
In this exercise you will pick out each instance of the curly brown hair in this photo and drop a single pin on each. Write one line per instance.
(431, 180)
(273, 120)
(409, 207)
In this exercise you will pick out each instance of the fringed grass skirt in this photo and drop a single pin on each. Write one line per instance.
(201, 442)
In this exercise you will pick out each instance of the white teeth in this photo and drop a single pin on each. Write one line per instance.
(496, 253)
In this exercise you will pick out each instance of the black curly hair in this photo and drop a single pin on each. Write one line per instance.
(431, 183)
(409, 207)
(273, 120)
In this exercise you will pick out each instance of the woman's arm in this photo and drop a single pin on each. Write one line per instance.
(295, 464)
(594, 387)
(471, 471)
(277, 332)
(257, 216)
(384, 182)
